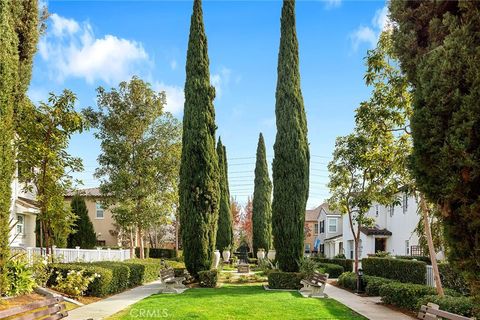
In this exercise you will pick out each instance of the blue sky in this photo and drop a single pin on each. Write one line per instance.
(100, 43)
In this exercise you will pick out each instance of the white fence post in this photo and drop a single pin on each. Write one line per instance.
(429, 276)
(109, 254)
(29, 255)
(77, 249)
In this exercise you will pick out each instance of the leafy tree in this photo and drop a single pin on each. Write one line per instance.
(8, 79)
(292, 156)
(140, 155)
(247, 223)
(437, 46)
(262, 197)
(45, 165)
(224, 230)
(83, 235)
(199, 172)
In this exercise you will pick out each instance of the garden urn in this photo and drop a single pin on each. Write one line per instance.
(216, 259)
(226, 255)
(271, 255)
(261, 254)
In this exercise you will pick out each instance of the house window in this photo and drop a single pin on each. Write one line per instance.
(99, 211)
(391, 209)
(376, 210)
(307, 247)
(407, 247)
(322, 226)
(20, 224)
(332, 225)
(350, 248)
(316, 228)
(405, 202)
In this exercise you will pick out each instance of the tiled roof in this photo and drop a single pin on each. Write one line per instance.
(89, 192)
(375, 231)
(312, 215)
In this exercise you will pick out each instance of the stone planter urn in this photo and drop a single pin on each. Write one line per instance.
(271, 254)
(226, 255)
(216, 259)
(260, 254)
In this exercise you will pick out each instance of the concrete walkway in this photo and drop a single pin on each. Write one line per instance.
(366, 306)
(111, 305)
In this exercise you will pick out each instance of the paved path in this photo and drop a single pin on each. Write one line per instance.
(366, 306)
(111, 305)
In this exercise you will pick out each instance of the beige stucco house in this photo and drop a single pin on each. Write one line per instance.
(102, 220)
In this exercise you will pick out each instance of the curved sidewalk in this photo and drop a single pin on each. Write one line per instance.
(104, 308)
(366, 306)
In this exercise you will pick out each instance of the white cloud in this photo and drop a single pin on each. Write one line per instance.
(72, 50)
(369, 35)
(173, 64)
(332, 3)
(175, 96)
(220, 80)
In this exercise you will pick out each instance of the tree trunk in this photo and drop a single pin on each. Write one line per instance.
(431, 249)
(176, 238)
(132, 245)
(140, 239)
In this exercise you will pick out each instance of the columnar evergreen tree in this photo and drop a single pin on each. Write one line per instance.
(199, 178)
(262, 197)
(84, 235)
(224, 230)
(8, 80)
(438, 47)
(291, 150)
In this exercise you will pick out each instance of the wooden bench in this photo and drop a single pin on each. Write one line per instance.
(50, 309)
(314, 285)
(432, 312)
(171, 283)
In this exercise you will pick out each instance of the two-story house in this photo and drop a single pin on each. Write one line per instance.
(329, 240)
(394, 230)
(311, 229)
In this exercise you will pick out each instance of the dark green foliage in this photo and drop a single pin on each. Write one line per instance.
(373, 284)
(348, 280)
(157, 253)
(396, 269)
(347, 264)
(84, 236)
(418, 258)
(262, 197)
(285, 280)
(404, 295)
(437, 43)
(120, 274)
(199, 179)
(333, 270)
(463, 306)
(225, 227)
(151, 268)
(453, 279)
(8, 79)
(291, 151)
(208, 278)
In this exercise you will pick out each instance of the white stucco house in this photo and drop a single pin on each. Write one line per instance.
(394, 230)
(23, 216)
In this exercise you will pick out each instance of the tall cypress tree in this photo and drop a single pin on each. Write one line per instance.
(199, 178)
(224, 231)
(262, 197)
(292, 156)
(84, 236)
(8, 81)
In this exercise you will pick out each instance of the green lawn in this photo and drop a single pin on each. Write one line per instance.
(236, 302)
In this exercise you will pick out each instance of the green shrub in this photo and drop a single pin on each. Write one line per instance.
(453, 279)
(418, 258)
(404, 295)
(74, 284)
(285, 280)
(333, 270)
(348, 280)
(347, 264)
(151, 268)
(373, 284)
(99, 287)
(307, 266)
(20, 277)
(120, 274)
(460, 305)
(208, 278)
(252, 260)
(407, 271)
(157, 253)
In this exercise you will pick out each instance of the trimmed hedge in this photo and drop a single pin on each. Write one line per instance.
(333, 270)
(453, 279)
(347, 264)
(402, 270)
(418, 258)
(285, 280)
(404, 295)
(348, 280)
(208, 278)
(151, 268)
(373, 285)
(157, 253)
(460, 305)
(120, 274)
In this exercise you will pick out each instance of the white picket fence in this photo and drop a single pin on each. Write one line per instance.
(77, 254)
